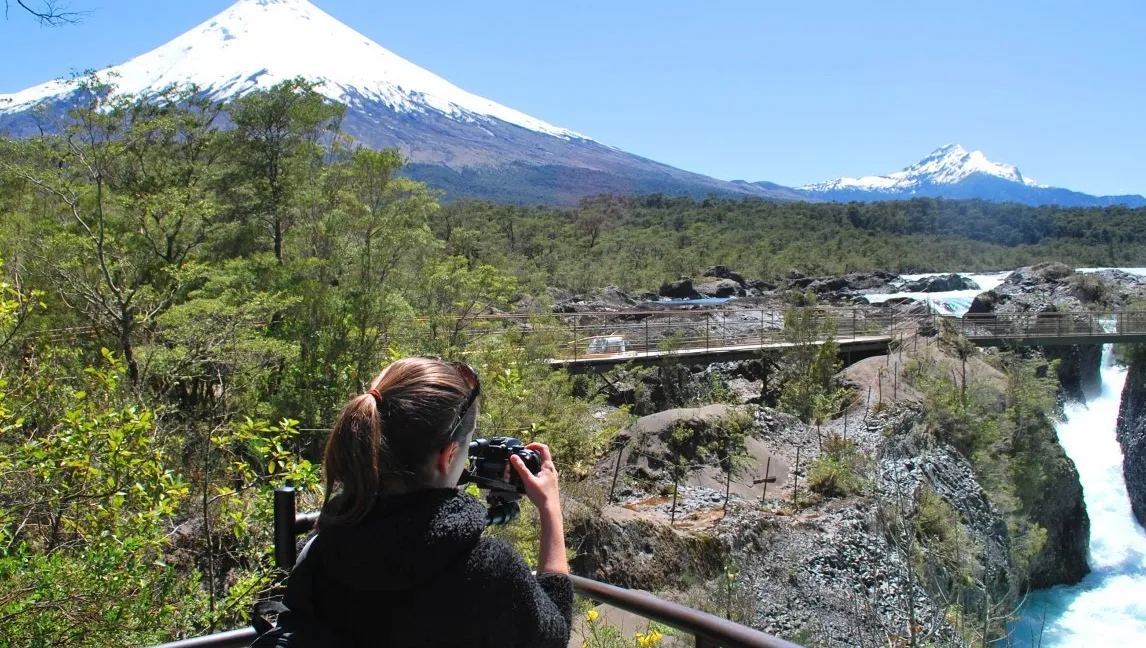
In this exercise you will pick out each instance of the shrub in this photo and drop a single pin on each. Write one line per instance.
(837, 471)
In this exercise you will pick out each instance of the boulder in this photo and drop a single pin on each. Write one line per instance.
(721, 288)
(616, 297)
(942, 283)
(681, 289)
(646, 443)
(621, 547)
(761, 286)
(722, 272)
(1132, 435)
(841, 287)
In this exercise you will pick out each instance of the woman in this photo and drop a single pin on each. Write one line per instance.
(399, 559)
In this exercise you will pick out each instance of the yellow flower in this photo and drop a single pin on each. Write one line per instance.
(648, 640)
(591, 616)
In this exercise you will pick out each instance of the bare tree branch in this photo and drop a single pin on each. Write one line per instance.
(49, 13)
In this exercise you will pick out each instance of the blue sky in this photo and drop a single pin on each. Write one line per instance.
(791, 92)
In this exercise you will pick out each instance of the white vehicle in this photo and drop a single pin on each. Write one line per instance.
(610, 344)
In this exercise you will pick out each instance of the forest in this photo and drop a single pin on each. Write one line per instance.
(635, 243)
(190, 291)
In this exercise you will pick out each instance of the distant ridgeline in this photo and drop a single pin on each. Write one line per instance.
(638, 242)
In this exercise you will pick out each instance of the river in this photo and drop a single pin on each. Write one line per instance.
(1108, 608)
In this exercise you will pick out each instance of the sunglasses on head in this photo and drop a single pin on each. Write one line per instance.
(470, 378)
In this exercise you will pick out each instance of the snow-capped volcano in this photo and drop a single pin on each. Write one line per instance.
(255, 44)
(456, 140)
(946, 165)
(953, 172)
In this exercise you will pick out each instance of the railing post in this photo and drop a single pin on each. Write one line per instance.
(616, 471)
(853, 324)
(284, 513)
(574, 336)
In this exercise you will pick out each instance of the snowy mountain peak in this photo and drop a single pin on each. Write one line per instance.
(254, 44)
(947, 165)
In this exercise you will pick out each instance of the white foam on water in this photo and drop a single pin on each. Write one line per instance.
(954, 302)
(1108, 608)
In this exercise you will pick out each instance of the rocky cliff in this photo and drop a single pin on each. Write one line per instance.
(1062, 512)
(1132, 434)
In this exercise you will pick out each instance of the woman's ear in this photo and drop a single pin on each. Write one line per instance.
(445, 457)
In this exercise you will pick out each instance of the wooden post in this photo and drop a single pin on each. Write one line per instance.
(646, 337)
(616, 471)
(796, 478)
(767, 469)
(728, 475)
(574, 336)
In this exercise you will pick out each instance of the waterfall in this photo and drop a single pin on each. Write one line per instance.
(1108, 608)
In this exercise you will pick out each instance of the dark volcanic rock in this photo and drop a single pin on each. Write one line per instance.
(1028, 298)
(1062, 513)
(621, 548)
(681, 289)
(1132, 435)
(1079, 369)
(942, 283)
(721, 288)
(761, 286)
(722, 272)
(843, 287)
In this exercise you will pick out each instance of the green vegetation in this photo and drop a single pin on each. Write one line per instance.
(189, 292)
(183, 309)
(838, 470)
(1002, 418)
(808, 387)
(638, 243)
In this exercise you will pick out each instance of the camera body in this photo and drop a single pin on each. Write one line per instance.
(489, 468)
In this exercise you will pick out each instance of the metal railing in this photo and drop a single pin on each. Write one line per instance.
(1041, 328)
(708, 630)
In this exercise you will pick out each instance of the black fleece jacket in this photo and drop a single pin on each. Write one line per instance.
(417, 572)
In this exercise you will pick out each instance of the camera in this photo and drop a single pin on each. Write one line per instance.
(489, 468)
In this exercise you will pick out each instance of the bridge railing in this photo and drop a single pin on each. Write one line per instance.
(588, 334)
(1049, 325)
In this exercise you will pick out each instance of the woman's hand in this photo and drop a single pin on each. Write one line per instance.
(541, 489)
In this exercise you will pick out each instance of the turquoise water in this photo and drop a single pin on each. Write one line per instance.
(1108, 608)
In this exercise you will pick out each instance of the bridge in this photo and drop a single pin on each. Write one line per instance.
(598, 341)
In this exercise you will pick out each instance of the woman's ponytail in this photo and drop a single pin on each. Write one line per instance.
(389, 434)
(352, 458)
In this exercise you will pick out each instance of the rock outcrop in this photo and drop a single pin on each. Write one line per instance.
(623, 548)
(942, 283)
(720, 288)
(1132, 435)
(723, 272)
(1030, 294)
(680, 289)
(1062, 512)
